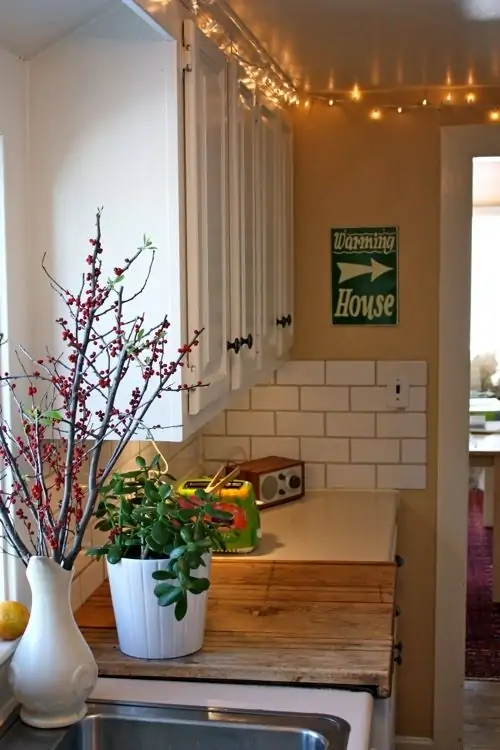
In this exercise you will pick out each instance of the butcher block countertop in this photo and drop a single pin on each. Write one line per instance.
(271, 620)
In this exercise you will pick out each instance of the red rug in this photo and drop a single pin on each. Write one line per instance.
(483, 616)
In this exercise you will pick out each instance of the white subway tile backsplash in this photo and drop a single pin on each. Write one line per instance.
(350, 425)
(275, 397)
(369, 398)
(287, 447)
(226, 448)
(418, 398)
(324, 449)
(324, 398)
(315, 476)
(350, 476)
(250, 423)
(334, 416)
(416, 372)
(414, 451)
(401, 425)
(300, 423)
(350, 373)
(375, 451)
(402, 477)
(240, 401)
(301, 372)
(217, 426)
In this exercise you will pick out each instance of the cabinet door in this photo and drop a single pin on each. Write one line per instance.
(267, 201)
(285, 229)
(207, 230)
(245, 321)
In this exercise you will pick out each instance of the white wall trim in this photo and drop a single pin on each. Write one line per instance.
(459, 145)
(411, 743)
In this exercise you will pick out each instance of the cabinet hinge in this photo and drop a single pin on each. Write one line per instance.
(187, 59)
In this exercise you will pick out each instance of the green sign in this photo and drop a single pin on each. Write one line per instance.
(365, 276)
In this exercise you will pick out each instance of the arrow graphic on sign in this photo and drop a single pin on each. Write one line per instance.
(351, 270)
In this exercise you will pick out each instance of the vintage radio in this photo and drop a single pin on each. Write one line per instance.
(275, 480)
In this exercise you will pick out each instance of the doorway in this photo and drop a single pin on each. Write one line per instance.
(459, 146)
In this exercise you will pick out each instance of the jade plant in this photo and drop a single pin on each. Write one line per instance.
(146, 519)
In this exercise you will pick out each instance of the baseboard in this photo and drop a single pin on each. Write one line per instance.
(412, 743)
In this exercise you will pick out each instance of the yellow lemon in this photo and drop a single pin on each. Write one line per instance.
(13, 620)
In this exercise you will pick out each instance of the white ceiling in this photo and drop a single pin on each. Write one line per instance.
(333, 44)
(28, 26)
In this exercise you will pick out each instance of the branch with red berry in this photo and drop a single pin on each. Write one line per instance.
(44, 509)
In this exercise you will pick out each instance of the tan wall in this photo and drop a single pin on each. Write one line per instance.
(350, 171)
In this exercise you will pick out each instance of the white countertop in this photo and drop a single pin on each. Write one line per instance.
(335, 525)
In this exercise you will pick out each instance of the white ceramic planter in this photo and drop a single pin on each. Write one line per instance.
(146, 630)
(53, 671)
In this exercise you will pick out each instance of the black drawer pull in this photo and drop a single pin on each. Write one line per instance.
(399, 561)
(247, 342)
(234, 345)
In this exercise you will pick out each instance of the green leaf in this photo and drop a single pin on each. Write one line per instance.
(178, 552)
(181, 606)
(150, 491)
(52, 415)
(140, 461)
(163, 575)
(104, 525)
(198, 585)
(167, 594)
(165, 491)
(114, 554)
(186, 534)
(160, 533)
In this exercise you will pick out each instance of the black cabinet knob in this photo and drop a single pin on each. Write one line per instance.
(399, 561)
(281, 321)
(397, 611)
(247, 342)
(289, 320)
(236, 345)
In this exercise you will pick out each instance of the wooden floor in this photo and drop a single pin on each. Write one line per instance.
(482, 715)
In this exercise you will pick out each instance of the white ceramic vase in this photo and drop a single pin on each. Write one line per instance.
(146, 630)
(53, 671)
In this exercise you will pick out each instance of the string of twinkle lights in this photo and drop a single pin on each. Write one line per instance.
(260, 72)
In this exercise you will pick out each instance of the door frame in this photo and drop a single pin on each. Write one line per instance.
(459, 145)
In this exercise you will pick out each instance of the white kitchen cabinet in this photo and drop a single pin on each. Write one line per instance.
(268, 224)
(245, 246)
(285, 240)
(153, 129)
(207, 215)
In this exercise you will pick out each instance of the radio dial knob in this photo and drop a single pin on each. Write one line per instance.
(281, 476)
(294, 482)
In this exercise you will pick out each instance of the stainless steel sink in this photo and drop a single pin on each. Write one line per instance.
(123, 726)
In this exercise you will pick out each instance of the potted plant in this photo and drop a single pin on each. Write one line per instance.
(44, 509)
(158, 557)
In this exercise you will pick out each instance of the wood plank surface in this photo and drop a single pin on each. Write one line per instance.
(274, 622)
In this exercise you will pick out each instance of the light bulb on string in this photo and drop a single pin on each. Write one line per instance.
(494, 115)
(375, 114)
(331, 102)
(448, 98)
(356, 93)
(400, 110)
(470, 97)
(424, 102)
(307, 103)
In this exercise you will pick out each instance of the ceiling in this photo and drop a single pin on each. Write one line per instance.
(28, 26)
(327, 45)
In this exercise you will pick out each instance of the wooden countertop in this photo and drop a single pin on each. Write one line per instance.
(313, 623)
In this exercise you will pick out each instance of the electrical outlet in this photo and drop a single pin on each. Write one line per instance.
(398, 392)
